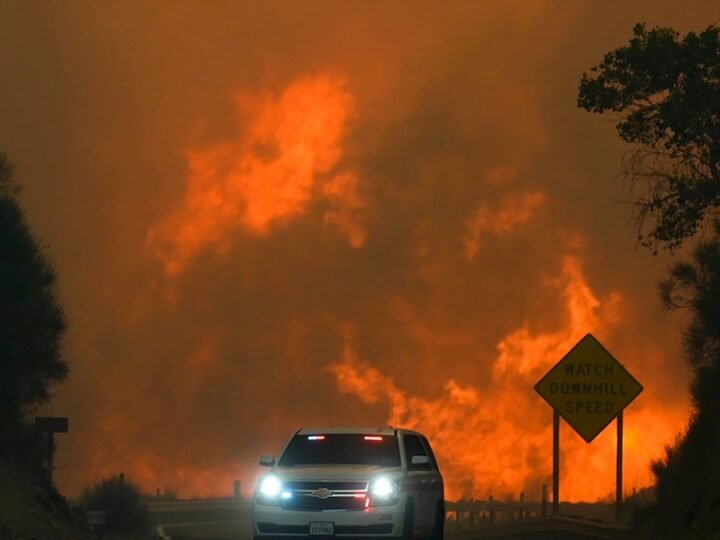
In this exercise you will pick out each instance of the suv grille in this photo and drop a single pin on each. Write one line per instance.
(375, 528)
(320, 496)
(304, 502)
(335, 486)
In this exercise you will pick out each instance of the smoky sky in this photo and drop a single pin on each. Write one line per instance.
(398, 189)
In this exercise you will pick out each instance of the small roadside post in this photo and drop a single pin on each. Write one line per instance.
(589, 388)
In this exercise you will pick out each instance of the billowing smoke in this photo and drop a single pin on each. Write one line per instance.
(273, 215)
(496, 440)
(270, 174)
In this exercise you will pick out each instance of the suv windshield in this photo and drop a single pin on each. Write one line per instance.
(342, 449)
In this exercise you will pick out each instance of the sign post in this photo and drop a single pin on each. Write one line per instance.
(589, 388)
(556, 462)
(50, 425)
(619, 468)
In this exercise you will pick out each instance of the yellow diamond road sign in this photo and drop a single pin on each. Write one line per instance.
(588, 387)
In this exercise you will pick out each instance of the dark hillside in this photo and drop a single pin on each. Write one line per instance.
(27, 512)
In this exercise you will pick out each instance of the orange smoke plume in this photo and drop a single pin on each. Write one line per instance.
(497, 440)
(287, 155)
(148, 457)
(500, 221)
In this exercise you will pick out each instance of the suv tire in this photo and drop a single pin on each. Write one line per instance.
(408, 520)
(438, 530)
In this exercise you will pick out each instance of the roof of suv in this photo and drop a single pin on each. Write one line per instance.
(378, 430)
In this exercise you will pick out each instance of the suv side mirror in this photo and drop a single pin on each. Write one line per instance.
(267, 461)
(420, 460)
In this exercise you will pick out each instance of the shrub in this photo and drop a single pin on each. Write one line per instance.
(122, 502)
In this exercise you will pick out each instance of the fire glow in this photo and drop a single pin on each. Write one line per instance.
(222, 192)
(497, 441)
(289, 164)
(268, 175)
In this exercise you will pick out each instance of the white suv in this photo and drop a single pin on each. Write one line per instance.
(351, 482)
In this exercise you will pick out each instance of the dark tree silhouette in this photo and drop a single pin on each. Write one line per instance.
(666, 92)
(688, 478)
(32, 323)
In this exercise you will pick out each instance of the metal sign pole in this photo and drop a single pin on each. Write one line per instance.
(50, 441)
(619, 468)
(556, 462)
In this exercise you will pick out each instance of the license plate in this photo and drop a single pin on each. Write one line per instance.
(322, 528)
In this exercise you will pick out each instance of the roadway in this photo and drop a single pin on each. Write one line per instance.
(229, 530)
(229, 519)
(221, 519)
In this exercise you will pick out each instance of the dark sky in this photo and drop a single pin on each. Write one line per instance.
(269, 215)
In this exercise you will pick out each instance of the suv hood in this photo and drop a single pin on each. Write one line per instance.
(332, 472)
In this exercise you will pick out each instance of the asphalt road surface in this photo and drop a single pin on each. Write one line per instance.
(174, 522)
(239, 530)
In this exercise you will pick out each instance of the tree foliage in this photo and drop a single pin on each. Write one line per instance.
(688, 478)
(32, 323)
(665, 91)
(696, 285)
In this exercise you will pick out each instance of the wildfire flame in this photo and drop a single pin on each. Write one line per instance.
(497, 440)
(288, 163)
(513, 212)
(287, 156)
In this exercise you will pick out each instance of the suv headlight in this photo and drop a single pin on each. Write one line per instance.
(269, 488)
(383, 491)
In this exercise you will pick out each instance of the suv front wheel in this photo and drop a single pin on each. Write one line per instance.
(438, 530)
(409, 520)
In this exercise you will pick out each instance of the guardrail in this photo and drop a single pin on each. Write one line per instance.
(474, 512)
(190, 505)
(544, 528)
(466, 513)
(471, 520)
(169, 512)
